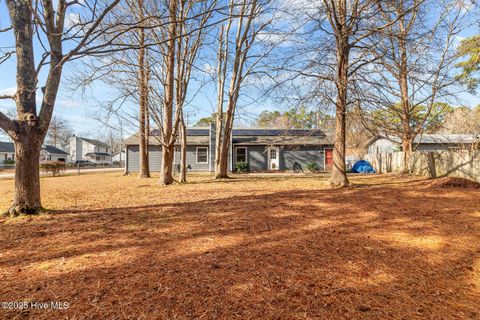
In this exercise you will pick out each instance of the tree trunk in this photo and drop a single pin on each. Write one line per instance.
(143, 99)
(183, 151)
(339, 175)
(220, 171)
(168, 138)
(27, 176)
(407, 149)
(144, 165)
(166, 173)
(221, 164)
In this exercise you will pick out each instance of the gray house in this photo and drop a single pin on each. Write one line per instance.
(425, 142)
(262, 149)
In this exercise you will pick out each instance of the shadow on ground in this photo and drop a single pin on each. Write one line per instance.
(368, 252)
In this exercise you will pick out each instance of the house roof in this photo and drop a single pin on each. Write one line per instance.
(281, 140)
(192, 131)
(53, 150)
(154, 140)
(7, 147)
(277, 132)
(96, 142)
(201, 136)
(436, 138)
(98, 154)
(447, 138)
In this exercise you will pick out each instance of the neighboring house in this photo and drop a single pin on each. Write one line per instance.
(48, 153)
(88, 149)
(262, 149)
(7, 152)
(52, 153)
(118, 158)
(425, 142)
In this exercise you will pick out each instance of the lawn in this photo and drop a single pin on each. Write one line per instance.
(254, 247)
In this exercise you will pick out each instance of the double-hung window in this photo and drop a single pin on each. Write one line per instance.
(202, 154)
(241, 154)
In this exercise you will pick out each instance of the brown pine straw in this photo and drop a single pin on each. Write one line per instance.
(253, 247)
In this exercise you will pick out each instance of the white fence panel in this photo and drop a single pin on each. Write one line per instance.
(464, 163)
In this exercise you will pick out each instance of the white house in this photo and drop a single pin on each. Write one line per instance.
(48, 153)
(119, 158)
(7, 152)
(52, 153)
(88, 149)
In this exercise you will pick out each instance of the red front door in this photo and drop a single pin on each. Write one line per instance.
(328, 159)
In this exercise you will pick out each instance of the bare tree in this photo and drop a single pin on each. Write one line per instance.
(143, 78)
(329, 53)
(235, 64)
(40, 21)
(126, 72)
(59, 132)
(350, 23)
(414, 57)
(188, 22)
(462, 120)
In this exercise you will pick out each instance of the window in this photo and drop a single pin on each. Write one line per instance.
(241, 154)
(202, 155)
(273, 154)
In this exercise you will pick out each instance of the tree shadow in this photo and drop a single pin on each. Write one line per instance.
(368, 252)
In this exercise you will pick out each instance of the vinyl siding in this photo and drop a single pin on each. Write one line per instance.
(155, 158)
(256, 158)
(301, 155)
(192, 159)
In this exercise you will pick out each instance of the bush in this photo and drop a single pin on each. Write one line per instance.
(242, 167)
(54, 167)
(313, 167)
(9, 161)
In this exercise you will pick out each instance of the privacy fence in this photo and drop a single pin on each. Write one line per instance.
(435, 164)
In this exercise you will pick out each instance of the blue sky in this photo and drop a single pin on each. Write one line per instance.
(80, 112)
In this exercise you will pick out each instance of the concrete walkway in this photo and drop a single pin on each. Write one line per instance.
(69, 171)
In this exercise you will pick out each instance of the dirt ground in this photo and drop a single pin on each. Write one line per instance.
(253, 247)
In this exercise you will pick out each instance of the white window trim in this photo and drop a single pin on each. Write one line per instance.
(246, 154)
(196, 155)
(269, 164)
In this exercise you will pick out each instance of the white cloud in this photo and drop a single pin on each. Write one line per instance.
(8, 91)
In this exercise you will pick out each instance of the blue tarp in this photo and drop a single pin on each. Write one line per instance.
(363, 166)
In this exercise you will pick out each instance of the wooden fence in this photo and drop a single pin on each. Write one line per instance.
(435, 164)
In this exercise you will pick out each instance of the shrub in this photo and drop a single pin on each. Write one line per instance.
(242, 167)
(9, 161)
(312, 167)
(54, 167)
